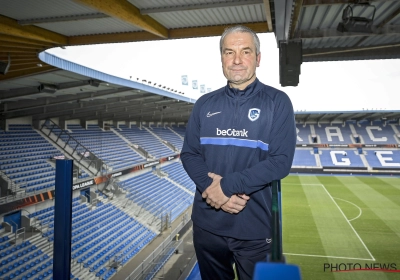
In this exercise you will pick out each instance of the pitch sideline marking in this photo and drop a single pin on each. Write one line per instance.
(354, 205)
(362, 242)
(332, 257)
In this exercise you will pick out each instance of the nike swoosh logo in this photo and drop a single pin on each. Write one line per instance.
(212, 114)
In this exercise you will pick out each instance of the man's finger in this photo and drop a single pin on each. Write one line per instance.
(243, 196)
(238, 201)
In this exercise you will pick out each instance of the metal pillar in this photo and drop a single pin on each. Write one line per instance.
(63, 220)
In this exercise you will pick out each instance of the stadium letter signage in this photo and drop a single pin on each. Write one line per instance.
(150, 164)
(336, 132)
(298, 137)
(82, 185)
(371, 135)
(343, 162)
(386, 161)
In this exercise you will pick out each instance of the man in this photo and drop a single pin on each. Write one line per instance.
(238, 140)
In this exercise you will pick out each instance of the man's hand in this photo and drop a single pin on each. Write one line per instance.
(213, 194)
(236, 203)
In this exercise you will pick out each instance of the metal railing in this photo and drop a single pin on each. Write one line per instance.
(140, 271)
(79, 152)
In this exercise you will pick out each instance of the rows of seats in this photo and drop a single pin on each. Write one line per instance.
(370, 133)
(304, 157)
(341, 158)
(146, 140)
(375, 132)
(167, 135)
(181, 130)
(98, 235)
(383, 158)
(106, 145)
(176, 172)
(160, 264)
(157, 195)
(24, 261)
(23, 158)
(333, 134)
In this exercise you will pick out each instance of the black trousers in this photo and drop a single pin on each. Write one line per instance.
(216, 255)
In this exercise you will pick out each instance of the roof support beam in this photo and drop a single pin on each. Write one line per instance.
(62, 19)
(24, 73)
(11, 27)
(134, 111)
(335, 2)
(283, 14)
(20, 40)
(373, 52)
(64, 106)
(296, 13)
(20, 46)
(18, 56)
(267, 9)
(99, 108)
(389, 18)
(200, 6)
(178, 33)
(125, 11)
(26, 91)
(331, 33)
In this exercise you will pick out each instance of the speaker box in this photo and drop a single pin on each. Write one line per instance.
(290, 59)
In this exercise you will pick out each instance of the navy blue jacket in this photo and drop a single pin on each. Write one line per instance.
(248, 137)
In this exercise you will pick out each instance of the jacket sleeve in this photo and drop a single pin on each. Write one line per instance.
(192, 159)
(282, 144)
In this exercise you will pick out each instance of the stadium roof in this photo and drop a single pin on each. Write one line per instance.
(27, 28)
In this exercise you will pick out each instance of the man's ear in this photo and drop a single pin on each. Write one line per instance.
(258, 59)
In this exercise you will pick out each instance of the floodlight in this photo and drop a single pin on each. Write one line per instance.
(351, 23)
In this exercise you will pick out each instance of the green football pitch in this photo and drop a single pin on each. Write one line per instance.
(333, 224)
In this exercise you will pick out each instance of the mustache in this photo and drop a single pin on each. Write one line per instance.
(237, 68)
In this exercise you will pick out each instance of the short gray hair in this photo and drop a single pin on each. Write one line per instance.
(242, 29)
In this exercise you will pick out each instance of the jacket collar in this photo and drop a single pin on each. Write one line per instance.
(249, 90)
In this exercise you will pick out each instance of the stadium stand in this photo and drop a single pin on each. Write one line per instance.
(179, 129)
(303, 133)
(340, 158)
(162, 198)
(333, 134)
(99, 233)
(383, 158)
(375, 133)
(304, 157)
(24, 158)
(178, 174)
(106, 145)
(169, 136)
(143, 138)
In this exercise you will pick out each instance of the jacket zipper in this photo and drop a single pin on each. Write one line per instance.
(234, 121)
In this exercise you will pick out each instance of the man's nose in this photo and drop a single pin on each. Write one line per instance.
(237, 58)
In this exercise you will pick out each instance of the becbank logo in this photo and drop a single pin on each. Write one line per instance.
(232, 132)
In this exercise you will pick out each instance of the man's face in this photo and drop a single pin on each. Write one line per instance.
(239, 59)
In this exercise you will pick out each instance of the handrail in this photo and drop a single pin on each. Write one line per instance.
(75, 148)
(139, 271)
